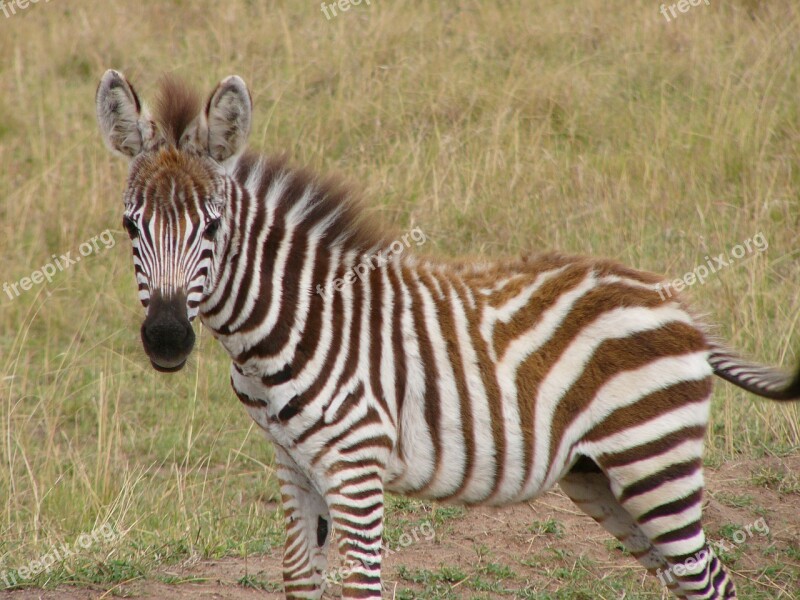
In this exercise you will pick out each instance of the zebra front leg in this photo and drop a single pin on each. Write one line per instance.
(356, 506)
(308, 521)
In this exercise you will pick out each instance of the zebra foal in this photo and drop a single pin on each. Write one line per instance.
(469, 383)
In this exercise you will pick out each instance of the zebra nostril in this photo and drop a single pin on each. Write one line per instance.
(167, 334)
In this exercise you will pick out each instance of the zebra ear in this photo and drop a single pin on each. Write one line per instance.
(228, 116)
(125, 125)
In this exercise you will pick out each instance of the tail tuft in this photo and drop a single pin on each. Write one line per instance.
(766, 382)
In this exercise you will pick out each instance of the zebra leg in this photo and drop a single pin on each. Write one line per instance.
(356, 504)
(589, 488)
(307, 520)
(663, 494)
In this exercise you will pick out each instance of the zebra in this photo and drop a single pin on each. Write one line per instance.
(463, 381)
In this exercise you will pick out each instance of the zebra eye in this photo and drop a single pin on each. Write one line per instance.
(211, 229)
(130, 226)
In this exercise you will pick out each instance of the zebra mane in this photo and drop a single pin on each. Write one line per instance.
(176, 106)
(351, 223)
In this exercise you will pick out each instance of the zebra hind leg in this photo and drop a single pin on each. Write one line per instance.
(662, 492)
(589, 488)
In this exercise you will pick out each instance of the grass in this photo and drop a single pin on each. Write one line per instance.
(498, 128)
(494, 580)
(547, 527)
(787, 483)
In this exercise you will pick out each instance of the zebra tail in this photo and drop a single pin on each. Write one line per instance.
(767, 382)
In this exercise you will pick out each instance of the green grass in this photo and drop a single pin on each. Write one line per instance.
(257, 583)
(498, 128)
(778, 480)
(547, 527)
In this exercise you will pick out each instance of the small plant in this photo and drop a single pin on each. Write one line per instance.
(548, 527)
(614, 545)
(780, 481)
(498, 571)
(256, 583)
(482, 550)
(735, 500)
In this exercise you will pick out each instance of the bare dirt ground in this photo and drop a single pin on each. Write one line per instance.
(505, 536)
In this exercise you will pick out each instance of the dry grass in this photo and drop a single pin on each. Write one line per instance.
(497, 127)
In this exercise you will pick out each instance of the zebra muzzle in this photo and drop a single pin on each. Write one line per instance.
(167, 334)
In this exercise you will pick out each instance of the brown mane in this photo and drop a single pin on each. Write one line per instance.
(354, 221)
(176, 106)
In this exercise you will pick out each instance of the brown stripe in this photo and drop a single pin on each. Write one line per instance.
(654, 448)
(337, 324)
(399, 352)
(651, 406)
(252, 282)
(445, 309)
(230, 212)
(656, 480)
(682, 533)
(375, 339)
(248, 400)
(381, 441)
(543, 300)
(672, 508)
(239, 238)
(357, 480)
(313, 330)
(533, 370)
(354, 343)
(370, 419)
(491, 387)
(428, 364)
(352, 399)
(527, 271)
(288, 316)
(615, 356)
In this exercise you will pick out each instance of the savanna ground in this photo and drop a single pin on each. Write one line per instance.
(497, 128)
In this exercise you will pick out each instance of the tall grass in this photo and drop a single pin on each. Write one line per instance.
(497, 127)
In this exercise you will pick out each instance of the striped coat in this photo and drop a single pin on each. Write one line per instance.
(373, 370)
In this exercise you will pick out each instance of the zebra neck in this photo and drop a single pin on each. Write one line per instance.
(289, 245)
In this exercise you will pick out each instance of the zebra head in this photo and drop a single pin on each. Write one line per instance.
(175, 197)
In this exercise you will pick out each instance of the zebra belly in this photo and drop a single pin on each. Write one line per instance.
(467, 474)
(475, 495)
